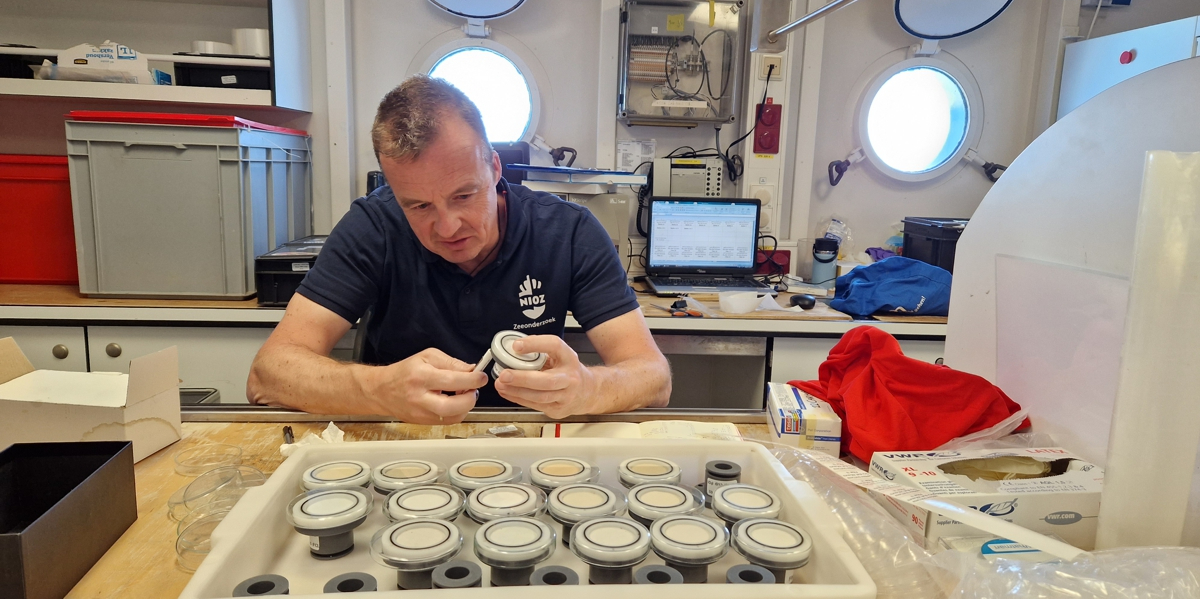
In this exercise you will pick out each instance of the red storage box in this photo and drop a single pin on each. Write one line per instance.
(37, 231)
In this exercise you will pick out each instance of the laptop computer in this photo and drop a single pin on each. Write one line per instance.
(702, 245)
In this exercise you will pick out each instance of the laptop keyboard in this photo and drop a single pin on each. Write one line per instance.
(704, 282)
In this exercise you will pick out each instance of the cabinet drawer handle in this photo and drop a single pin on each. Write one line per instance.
(113, 350)
(60, 351)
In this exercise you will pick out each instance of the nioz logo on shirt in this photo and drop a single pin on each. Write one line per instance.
(534, 304)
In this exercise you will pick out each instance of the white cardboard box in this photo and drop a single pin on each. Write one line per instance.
(51, 405)
(108, 56)
(800, 420)
(1064, 505)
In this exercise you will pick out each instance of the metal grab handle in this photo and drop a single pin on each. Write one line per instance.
(113, 350)
(60, 351)
(177, 146)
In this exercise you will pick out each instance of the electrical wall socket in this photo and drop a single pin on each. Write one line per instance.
(765, 65)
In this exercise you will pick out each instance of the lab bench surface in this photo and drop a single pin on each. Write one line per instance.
(142, 562)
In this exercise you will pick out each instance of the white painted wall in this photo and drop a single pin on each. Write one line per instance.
(1141, 13)
(1004, 58)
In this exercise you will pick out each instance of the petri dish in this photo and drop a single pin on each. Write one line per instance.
(202, 457)
(192, 545)
(215, 483)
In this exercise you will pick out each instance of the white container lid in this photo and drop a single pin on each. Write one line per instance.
(772, 543)
(502, 352)
(404, 473)
(653, 501)
(425, 501)
(637, 471)
(552, 473)
(514, 542)
(739, 502)
(469, 475)
(689, 540)
(610, 542)
(416, 545)
(323, 509)
(343, 473)
(574, 503)
(505, 500)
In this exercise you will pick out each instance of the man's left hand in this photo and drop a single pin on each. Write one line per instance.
(564, 386)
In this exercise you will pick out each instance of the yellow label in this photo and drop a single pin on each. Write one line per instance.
(764, 155)
(686, 161)
(676, 22)
(712, 12)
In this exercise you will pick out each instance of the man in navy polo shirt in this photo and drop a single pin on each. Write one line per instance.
(446, 256)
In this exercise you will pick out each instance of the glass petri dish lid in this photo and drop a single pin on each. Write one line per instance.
(443, 502)
(637, 471)
(193, 544)
(689, 540)
(610, 542)
(202, 457)
(550, 473)
(772, 543)
(514, 542)
(505, 500)
(732, 503)
(342, 473)
(214, 483)
(404, 473)
(416, 545)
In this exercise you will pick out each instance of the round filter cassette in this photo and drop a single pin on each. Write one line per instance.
(772, 543)
(551, 473)
(652, 501)
(637, 471)
(342, 473)
(469, 475)
(610, 542)
(689, 540)
(404, 473)
(417, 545)
(425, 501)
(733, 503)
(505, 500)
(514, 542)
(505, 357)
(324, 510)
(571, 504)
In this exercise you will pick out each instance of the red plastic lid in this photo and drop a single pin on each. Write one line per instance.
(30, 159)
(191, 120)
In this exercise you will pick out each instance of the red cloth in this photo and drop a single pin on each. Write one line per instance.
(890, 402)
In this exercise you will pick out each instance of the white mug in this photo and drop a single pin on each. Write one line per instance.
(252, 42)
(203, 47)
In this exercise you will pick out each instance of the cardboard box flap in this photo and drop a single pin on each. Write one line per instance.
(152, 374)
(13, 362)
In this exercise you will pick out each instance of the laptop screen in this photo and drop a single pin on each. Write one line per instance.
(702, 236)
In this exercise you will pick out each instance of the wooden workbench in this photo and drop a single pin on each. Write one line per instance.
(141, 564)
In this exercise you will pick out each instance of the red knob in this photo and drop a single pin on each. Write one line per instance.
(1128, 56)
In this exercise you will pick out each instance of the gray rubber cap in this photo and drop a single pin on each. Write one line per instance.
(749, 574)
(554, 576)
(655, 574)
(267, 584)
(458, 574)
(352, 582)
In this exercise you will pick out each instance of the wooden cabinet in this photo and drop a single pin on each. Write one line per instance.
(51, 348)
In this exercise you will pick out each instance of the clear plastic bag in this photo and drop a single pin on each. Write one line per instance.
(900, 567)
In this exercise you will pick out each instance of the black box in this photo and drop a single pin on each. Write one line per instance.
(278, 273)
(932, 240)
(215, 75)
(16, 66)
(62, 505)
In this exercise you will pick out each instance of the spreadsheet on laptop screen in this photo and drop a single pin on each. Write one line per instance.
(688, 234)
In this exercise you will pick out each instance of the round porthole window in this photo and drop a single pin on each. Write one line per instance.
(495, 84)
(918, 118)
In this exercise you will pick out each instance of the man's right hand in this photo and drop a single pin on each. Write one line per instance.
(411, 389)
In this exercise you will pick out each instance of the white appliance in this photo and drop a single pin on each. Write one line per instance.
(1092, 66)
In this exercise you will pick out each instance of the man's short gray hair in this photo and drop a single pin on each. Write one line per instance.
(409, 117)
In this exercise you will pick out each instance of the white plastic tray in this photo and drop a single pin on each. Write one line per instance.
(256, 539)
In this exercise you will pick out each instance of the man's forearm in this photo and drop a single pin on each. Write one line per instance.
(295, 377)
(636, 383)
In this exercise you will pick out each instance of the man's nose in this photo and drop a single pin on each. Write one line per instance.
(447, 223)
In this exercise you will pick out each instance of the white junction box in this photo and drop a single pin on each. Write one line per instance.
(800, 420)
(1050, 490)
(256, 538)
(39, 406)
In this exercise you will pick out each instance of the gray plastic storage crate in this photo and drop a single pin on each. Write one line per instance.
(181, 211)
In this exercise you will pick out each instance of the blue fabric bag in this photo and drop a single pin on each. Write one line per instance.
(897, 284)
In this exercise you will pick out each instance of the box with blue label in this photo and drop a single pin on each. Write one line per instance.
(797, 419)
(1045, 489)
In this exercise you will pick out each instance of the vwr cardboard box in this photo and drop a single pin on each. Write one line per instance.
(800, 420)
(1051, 491)
(50, 405)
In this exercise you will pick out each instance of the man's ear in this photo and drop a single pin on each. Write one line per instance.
(497, 169)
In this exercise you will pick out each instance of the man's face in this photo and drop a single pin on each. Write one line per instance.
(448, 194)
